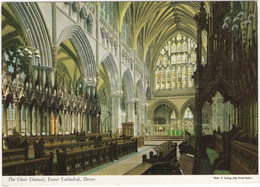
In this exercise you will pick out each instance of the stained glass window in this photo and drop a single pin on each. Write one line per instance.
(173, 59)
(184, 46)
(179, 58)
(173, 77)
(162, 79)
(178, 37)
(174, 48)
(177, 52)
(168, 85)
(179, 77)
(173, 115)
(190, 74)
(184, 77)
(188, 114)
(158, 79)
(184, 58)
(193, 57)
(179, 47)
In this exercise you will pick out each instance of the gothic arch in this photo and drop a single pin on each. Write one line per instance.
(148, 93)
(35, 29)
(128, 80)
(140, 91)
(110, 68)
(158, 103)
(185, 106)
(77, 36)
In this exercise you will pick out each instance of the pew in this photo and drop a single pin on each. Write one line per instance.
(140, 140)
(164, 162)
(75, 162)
(187, 163)
(81, 160)
(40, 149)
(189, 152)
(16, 139)
(235, 156)
(19, 152)
(243, 158)
(166, 151)
(41, 166)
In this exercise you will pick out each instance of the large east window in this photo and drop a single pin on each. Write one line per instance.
(176, 64)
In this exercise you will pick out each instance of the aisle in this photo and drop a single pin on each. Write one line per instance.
(204, 167)
(121, 166)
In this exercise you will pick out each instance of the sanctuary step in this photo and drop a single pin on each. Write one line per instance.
(163, 138)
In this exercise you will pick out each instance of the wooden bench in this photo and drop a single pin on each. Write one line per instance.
(81, 160)
(164, 162)
(14, 140)
(42, 166)
(15, 154)
(121, 148)
(75, 162)
(140, 140)
(141, 169)
(40, 149)
(166, 151)
(235, 157)
(243, 158)
(187, 163)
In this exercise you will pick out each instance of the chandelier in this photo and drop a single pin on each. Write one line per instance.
(234, 20)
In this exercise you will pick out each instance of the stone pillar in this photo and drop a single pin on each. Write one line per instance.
(198, 121)
(25, 120)
(5, 123)
(84, 122)
(81, 122)
(76, 121)
(13, 115)
(34, 120)
(97, 35)
(115, 113)
(89, 122)
(52, 123)
(130, 111)
(63, 121)
(48, 121)
(56, 123)
(70, 122)
(31, 120)
(18, 118)
(41, 120)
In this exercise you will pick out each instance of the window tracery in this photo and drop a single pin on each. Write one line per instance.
(176, 64)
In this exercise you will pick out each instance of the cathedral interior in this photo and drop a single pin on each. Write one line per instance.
(129, 88)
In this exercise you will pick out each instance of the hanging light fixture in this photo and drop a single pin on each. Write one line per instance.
(251, 16)
(227, 19)
(234, 27)
(225, 26)
(237, 19)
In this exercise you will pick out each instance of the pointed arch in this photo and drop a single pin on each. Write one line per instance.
(148, 93)
(185, 106)
(110, 68)
(140, 91)
(77, 36)
(153, 107)
(128, 80)
(36, 29)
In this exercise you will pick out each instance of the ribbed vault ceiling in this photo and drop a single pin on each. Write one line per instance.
(159, 21)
